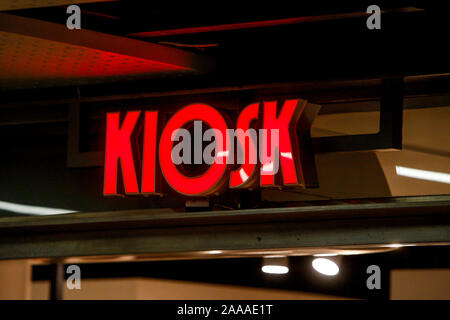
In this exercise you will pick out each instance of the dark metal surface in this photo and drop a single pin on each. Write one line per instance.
(390, 133)
(75, 158)
(57, 281)
(423, 220)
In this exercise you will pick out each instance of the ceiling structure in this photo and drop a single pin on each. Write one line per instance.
(27, 4)
(133, 40)
(36, 53)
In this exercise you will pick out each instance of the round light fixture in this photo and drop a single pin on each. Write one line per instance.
(275, 269)
(325, 266)
(275, 265)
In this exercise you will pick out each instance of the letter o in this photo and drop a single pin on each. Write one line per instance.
(212, 179)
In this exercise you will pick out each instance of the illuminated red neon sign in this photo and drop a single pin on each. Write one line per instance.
(267, 148)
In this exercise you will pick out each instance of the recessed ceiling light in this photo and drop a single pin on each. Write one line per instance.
(325, 266)
(275, 265)
(275, 269)
(214, 251)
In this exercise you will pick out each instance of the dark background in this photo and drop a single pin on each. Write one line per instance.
(349, 282)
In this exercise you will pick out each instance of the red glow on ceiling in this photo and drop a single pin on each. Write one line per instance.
(38, 61)
(246, 25)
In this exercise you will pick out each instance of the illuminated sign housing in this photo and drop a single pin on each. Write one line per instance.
(280, 155)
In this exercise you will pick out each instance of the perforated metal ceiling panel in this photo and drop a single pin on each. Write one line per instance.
(33, 62)
(25, 4)
(36, 53)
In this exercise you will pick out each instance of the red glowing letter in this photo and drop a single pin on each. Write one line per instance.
(118, 147)
(149, 162)
(242, 177)
(287, 143)
(209, 181)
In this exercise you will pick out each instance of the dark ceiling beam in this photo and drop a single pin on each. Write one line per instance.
(105, 42)
(259, 24)
(411, 220)
(6, 5)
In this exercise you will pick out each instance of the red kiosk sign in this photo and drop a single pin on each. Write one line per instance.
(262, 150)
